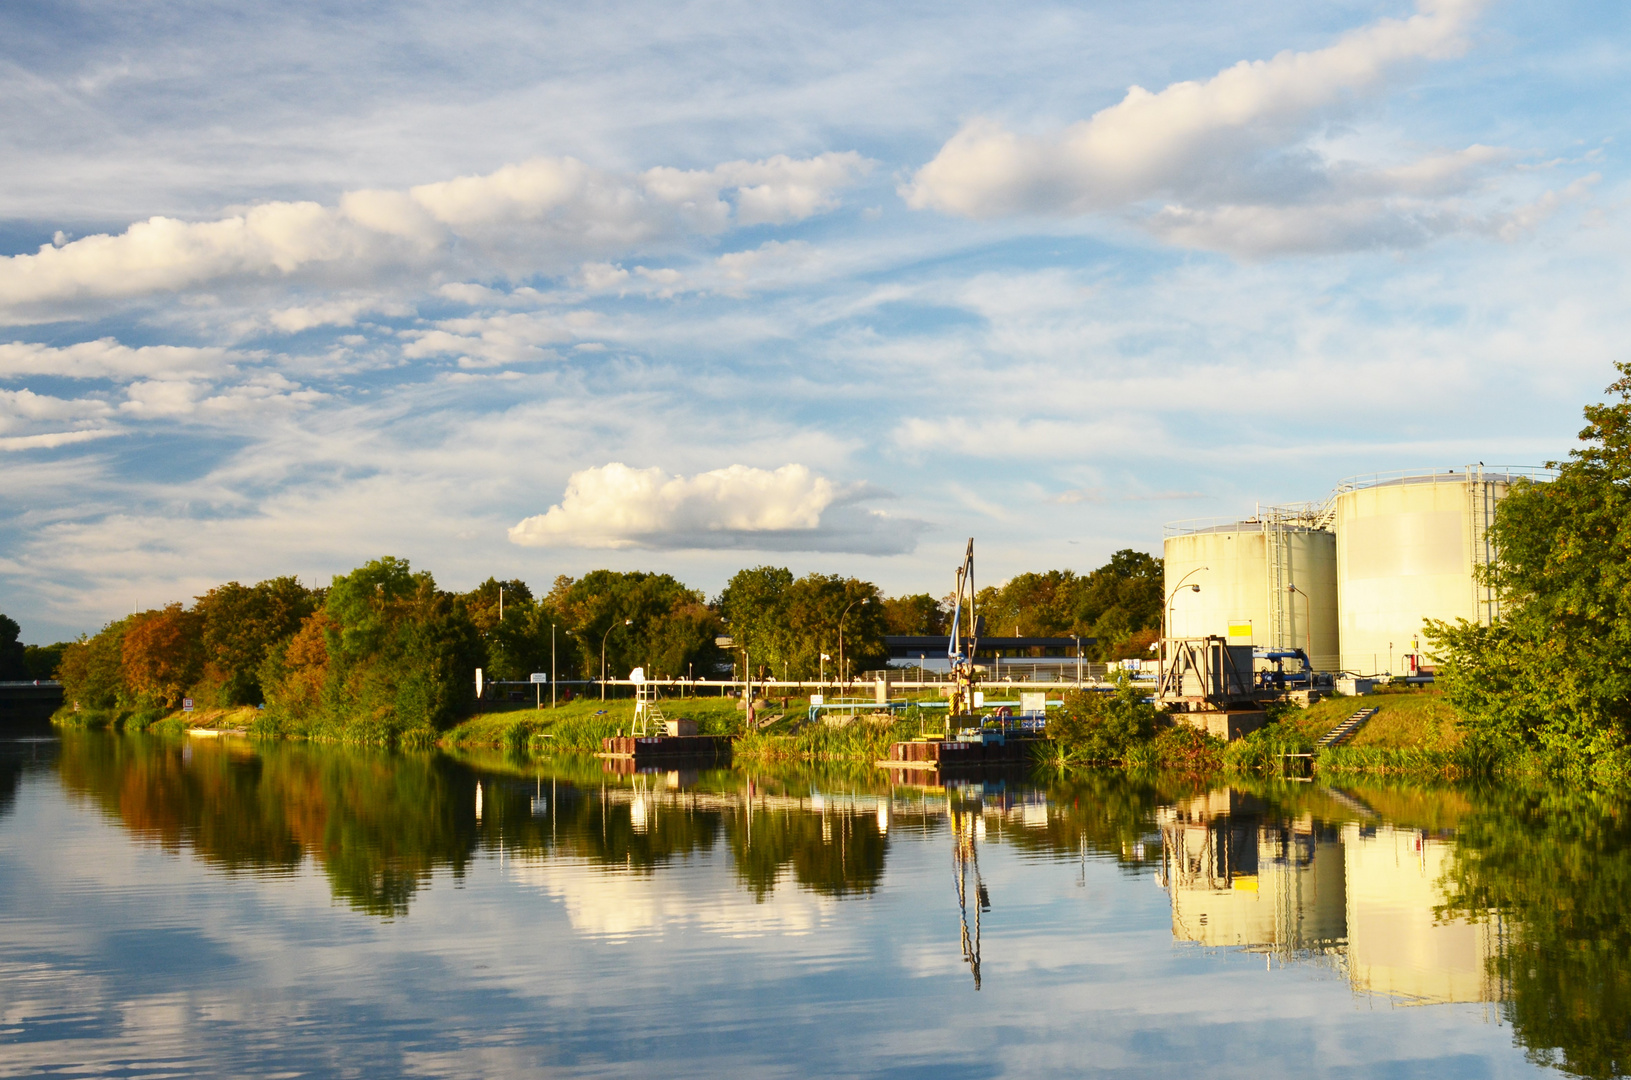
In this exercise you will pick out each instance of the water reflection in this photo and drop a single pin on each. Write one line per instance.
(1506, 897)
(1364, 898)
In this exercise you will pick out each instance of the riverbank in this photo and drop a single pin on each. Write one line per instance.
(1414, 733)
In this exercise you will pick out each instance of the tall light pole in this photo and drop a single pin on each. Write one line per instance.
(1078, 640)
(841, 669)
(603, 637)
(1308, 620)
(1167, 607)
(553, 681)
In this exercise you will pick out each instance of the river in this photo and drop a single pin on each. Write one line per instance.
(218, 907)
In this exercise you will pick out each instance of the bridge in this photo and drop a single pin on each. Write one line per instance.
(28, 705)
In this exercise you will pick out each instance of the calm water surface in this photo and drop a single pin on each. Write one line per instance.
(219, 908)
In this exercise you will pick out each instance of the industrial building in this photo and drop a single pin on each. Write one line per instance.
(1348, 580)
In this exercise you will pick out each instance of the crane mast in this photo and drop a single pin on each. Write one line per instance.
(961, 646)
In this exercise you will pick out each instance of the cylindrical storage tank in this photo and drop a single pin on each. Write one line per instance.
(1266, 583)
(1407, 548)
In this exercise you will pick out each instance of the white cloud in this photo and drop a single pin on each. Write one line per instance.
(541, 215)
(54, 439)
(106, 358)
(1229, 163)
(343, 312)
(790, 508)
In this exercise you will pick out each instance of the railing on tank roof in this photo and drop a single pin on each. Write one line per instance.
(1284, 515)
(1444, 476)
(1211, 524)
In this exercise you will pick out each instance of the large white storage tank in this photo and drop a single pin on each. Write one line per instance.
(1407, 548)
(1247, 590)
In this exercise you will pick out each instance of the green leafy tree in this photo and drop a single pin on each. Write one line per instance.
(644, 620)
(1553, 673)
(1118, 605)
(43, 660)
(1095, 728)
(917, 614)
(13, 656)
(241, 625)
(91, 670)
(398, 658)
(754, 605)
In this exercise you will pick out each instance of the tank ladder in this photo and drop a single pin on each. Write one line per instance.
(1480, 516)
(1348, 728)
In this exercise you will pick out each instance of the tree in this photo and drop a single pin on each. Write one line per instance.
(1553, 672)
(917, 614)
(241, 625)
(1095, 728)
(397, 657)
(162, 656)
(482, 602)
(91, 670)
(43, 660)
(13, 656)
(642, 619)
(754, 605)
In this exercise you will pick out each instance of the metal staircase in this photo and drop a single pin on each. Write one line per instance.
(1348, 728)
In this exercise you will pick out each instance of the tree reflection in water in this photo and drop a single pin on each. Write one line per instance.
(1503, 895)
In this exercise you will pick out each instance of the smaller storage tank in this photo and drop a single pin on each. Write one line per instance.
(1268, 581)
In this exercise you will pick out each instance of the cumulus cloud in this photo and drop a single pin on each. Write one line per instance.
(542, 215)
(1229, 163)
(785, 509)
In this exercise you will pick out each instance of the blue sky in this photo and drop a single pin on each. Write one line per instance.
(536, 290)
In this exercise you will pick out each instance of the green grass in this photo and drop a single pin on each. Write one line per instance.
(1414, 719)
(580, 725)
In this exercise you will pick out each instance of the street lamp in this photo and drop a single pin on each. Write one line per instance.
(1078, 640)
(1308, 620)
(1167, 608)
(841, 618)
(603, 637)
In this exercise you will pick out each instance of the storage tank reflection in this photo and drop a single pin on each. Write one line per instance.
(1397, 943)
(1239, 881)
(1362, 899)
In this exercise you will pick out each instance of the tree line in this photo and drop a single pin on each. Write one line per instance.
(383, 650)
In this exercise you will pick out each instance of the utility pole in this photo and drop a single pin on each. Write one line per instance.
(552, 678)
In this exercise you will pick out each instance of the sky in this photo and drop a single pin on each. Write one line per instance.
(530, 290)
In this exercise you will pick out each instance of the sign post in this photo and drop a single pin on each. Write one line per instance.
(539, 678)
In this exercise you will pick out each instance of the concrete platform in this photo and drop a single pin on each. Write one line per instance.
(1228, 726)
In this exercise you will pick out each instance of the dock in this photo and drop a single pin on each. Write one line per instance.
(643, 748)
(933, 755)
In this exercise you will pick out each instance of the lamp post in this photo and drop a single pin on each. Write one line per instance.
(1077, 638)
(1166, 610)
(842, 670)
(552, 679)
(1167, 607)
(603, 637)
(1308, 620)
